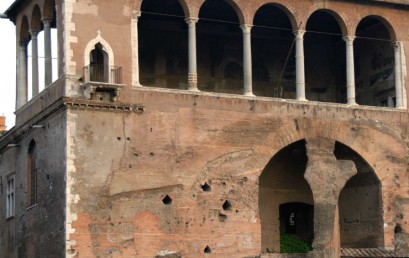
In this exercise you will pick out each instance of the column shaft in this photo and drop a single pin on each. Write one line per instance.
(398, 74)
(48, 66)
(299, 65)
(21, 91)
(34, 65)
(349, 40)
(135, 49)
(192, 73)
(247, 62)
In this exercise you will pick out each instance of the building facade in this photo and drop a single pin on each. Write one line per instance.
(208, 128)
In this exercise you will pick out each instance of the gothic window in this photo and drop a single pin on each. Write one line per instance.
(32, 174)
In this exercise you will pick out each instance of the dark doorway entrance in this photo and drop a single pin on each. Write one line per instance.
(297, 219)
(99, 64)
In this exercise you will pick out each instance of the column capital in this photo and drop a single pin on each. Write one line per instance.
(349, 39)
(34, 32)
(397, 44)
(46, 20)
(136, 15)
(246, 28)
(299, 33)
(191, 21)
(22, 43)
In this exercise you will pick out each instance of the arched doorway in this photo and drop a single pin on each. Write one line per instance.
(163, 40)
(273, 53)
(283, 191)
(374, 64)
(99, 65)
(360, 204)
(219, 48)
(325, 59)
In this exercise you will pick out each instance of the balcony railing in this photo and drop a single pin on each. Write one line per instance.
(101, 73)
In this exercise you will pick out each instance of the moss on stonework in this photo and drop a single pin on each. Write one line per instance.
(293, 244)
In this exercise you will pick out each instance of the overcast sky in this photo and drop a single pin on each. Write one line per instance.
(7, 66)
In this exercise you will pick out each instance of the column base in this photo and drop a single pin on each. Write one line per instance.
(136, 85)
(302, 99)
(249, 94)
(194, 89)
(352, 103)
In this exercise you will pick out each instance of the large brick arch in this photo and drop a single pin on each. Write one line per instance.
(363, 140)
(386, 160)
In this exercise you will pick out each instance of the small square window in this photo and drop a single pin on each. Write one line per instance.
(10, 205)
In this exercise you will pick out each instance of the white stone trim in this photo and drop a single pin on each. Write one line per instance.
(105, 46)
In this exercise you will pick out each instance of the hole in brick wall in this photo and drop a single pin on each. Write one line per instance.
(222, 217)
(48, 177)
(398, 229)
(206, 187)
(207, 250)
(128, 139)
(119, 138)
(152, 154)
(227, 206)
(167, 200)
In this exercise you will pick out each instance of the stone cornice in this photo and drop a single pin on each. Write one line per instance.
(15, 135)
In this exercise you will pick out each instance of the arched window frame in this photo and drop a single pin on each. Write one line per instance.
(105, 47)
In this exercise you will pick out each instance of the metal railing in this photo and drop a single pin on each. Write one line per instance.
(101, 73)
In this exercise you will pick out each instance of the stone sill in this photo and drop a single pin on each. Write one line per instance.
(269, 99)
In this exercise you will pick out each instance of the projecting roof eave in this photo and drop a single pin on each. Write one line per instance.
(12, 11)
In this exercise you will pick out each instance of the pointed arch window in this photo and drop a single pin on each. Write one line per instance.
(32, 174)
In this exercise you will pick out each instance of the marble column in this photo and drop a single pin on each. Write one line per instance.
(21, 91)
(349, 40)
(247, 66)
(135, 49)
(34, 63)
(192, 73)
(398, 74)
(299, 65)
(48, 66)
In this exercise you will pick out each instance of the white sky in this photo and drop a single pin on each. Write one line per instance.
(8, 64)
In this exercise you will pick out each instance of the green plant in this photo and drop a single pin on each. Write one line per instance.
(293, 244)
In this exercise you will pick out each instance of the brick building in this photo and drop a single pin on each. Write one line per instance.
(208, 128)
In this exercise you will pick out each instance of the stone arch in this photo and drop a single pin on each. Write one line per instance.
(182, 3)
(340, 20)
(282, 182)
(273, 25)
(283, 8)
(377, 85)
(35, 23)
(105, 47)
(234, 6)
(360, 204)
(24, 29)
(386, 24)
(325, 74)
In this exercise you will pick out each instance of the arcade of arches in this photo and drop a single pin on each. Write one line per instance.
(273, 57)
(40, 22)
(270, 58)
(343, 186)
